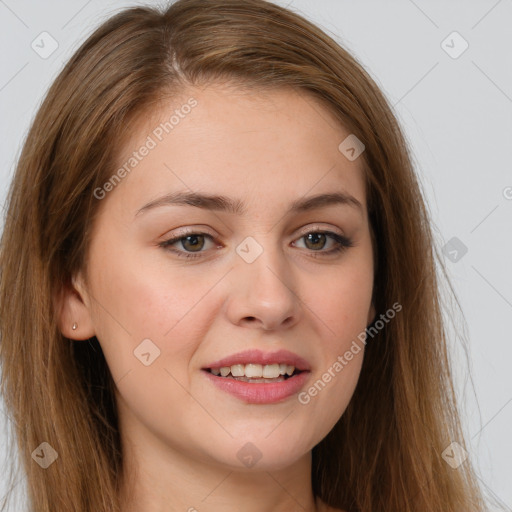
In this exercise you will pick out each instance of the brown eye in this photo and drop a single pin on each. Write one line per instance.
(192, 242)
(316, 240)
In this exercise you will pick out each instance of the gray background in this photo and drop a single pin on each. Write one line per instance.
(457, 115)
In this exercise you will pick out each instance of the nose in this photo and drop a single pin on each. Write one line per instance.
(261, 293)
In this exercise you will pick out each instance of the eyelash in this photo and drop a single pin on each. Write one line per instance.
(343, 244)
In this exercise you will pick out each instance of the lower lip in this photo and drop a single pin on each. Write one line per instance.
(260, 393)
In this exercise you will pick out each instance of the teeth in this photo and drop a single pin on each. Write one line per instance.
(255, 371)
(271, 371)
(238, 370)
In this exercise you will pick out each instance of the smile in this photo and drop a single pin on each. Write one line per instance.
(257, 377)
(253, 372)
(260, 390)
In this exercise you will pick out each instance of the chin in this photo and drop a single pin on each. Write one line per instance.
(260, 455)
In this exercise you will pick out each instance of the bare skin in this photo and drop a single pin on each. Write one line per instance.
(181, 434)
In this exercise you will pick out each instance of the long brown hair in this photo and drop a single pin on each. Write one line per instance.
(384, 454)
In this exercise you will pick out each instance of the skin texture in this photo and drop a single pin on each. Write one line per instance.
(181, 434)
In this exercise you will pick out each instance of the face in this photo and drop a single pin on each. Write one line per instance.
(176, 291)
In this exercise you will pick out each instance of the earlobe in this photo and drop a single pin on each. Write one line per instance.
(73, 312)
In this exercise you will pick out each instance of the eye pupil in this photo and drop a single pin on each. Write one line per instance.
(186, 239)
(315, 236)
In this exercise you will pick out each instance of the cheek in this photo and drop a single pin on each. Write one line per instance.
(137, 302)
(341, 301)
(149, 325)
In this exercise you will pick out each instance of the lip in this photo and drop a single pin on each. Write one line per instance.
(259, 357)
(259, 393)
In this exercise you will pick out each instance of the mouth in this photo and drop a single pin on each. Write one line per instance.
(256, 373)
(257, 377)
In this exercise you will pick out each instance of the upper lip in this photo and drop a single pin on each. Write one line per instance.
(259, 357)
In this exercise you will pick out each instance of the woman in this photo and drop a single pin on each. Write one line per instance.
(218, 285)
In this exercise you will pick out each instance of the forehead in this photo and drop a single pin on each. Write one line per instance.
(254, 145)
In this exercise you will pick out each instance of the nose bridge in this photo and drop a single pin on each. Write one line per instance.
(262, 282)
(264, 264)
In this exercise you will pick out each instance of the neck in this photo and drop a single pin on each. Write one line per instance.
(181, 483)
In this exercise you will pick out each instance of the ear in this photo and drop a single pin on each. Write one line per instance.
(73, 307)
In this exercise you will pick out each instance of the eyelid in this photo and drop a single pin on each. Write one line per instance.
(185, 231)
(318, 227)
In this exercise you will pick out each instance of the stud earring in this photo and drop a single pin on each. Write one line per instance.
(75, 325)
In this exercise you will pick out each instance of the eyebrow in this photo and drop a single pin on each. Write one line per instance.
(237, 207)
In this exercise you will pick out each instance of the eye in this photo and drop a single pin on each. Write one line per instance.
(192, 243)
(317, 241)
